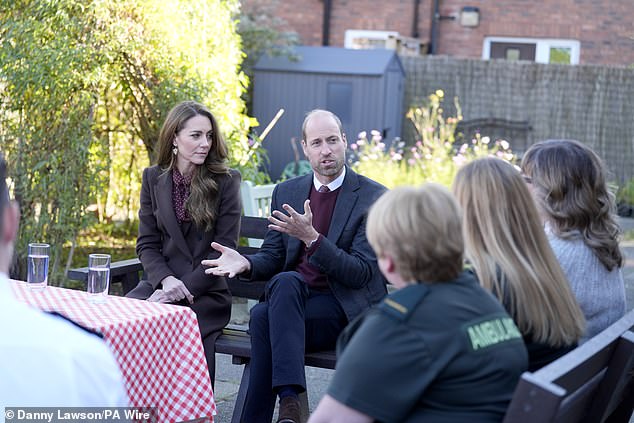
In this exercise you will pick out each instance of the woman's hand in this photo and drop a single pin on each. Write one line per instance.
(158, 296)
(175, 290)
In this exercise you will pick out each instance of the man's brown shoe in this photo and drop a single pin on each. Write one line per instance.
(289, 410)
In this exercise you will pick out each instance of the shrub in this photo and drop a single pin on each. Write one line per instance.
(434, 156)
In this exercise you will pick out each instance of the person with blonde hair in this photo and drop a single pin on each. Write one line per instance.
(508, 249)
(440, 348)
(568, 181)
(189, 199)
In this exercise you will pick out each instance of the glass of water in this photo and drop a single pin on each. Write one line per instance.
(37, 264)
(98, 277)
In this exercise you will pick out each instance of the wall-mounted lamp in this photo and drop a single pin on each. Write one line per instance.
(469, 16)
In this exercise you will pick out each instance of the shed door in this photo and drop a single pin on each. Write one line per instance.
(339, 100)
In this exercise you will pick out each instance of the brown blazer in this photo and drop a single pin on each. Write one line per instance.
(164, 251)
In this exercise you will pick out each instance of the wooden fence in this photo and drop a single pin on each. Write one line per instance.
(593, 104)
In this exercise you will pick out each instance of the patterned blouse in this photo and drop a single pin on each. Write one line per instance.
(181, 188)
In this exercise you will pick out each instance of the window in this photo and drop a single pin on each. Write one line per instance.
(366, 39)
(560, 55)
(512, 53)
(541, 50)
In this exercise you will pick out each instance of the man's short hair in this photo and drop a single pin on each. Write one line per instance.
(421, 229)
(314, 112)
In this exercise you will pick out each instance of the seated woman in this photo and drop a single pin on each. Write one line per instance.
(508, 249)
(189, 200)
(441, 348)
(568, 182)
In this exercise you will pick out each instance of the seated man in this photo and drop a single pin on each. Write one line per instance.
(46, 361)
(322, 270)
(441, 348)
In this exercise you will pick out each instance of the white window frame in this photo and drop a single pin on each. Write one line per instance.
(352, 34)
(542, 47)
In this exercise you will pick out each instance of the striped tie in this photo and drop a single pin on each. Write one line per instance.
(323, 188)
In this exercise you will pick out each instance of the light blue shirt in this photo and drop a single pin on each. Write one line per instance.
(48, 362)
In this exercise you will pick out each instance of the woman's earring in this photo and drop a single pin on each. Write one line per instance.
(175, 150)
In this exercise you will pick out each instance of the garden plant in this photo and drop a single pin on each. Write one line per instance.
(435, 156)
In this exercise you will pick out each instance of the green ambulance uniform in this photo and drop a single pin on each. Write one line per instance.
(437, 352)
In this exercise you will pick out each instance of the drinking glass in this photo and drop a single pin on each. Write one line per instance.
(37, 264)
(98, 277)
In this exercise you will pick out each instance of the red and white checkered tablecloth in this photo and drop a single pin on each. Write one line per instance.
(157, 346)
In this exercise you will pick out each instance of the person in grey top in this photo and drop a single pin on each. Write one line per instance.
(568, 182)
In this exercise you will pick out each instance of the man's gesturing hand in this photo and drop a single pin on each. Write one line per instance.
(230, 262)
(297, 225)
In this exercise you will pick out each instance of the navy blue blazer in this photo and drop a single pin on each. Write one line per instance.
(344, 254)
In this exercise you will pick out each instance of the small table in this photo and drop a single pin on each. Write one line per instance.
(158, 348)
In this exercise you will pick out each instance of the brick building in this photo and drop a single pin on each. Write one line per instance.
(548, 31)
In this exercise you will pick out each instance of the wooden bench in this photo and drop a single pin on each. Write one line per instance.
(592, 383)
(256, 199)
(515, 131)
(234, 342)
(125, 272)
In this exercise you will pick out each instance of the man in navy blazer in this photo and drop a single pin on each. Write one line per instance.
(322, 270)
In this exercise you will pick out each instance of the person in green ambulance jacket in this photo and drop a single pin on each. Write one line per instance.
(441, 348)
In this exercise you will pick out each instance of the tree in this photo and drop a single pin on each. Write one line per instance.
(84, 87)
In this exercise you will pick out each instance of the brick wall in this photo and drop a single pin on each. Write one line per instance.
(604, 28)
(306, 17)
(393, 15)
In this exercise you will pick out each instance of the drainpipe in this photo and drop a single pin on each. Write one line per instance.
(435, 19)
(325, 37)
(415, 33)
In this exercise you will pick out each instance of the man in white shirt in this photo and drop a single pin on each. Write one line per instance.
(46, 361)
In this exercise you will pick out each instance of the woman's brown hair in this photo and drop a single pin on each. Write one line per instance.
(570, 182)
(202, 201)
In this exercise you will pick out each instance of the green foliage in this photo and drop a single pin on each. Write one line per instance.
(84, 88)
(255, 159)
(625, 193)
(434, 157)
(49, 66)
(293, 169)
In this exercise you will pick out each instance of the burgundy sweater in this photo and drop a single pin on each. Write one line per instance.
(322, 206)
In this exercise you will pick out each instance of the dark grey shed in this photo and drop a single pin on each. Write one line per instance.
(363, 87)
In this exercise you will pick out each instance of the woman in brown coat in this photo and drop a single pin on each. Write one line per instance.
(188, 200)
